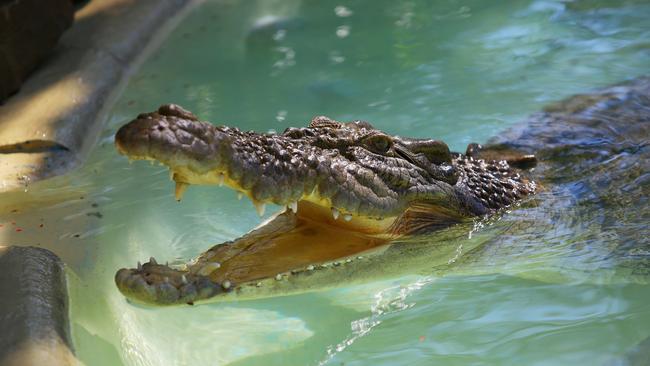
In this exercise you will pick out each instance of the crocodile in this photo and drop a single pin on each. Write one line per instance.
(349, 190)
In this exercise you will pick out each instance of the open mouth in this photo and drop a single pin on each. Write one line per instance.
(303, 237)
(305, 234)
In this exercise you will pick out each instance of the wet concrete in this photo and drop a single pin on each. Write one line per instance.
(33, 308)
(50, 126)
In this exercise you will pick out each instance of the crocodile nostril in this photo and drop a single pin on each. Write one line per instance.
(161, 128)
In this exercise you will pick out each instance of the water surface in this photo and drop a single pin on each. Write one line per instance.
(547, 293)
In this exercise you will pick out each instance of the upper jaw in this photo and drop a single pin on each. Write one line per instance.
(279, 169)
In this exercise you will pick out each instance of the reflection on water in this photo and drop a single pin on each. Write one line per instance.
(538, 286)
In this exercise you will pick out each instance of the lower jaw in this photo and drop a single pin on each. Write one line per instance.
(285, 246)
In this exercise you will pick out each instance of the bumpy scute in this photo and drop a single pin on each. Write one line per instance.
(348, 188)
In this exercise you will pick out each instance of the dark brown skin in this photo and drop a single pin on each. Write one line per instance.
(396, 188)
(349, 189)
(352, 167)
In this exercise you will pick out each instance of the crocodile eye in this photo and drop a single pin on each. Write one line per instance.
(379, 143)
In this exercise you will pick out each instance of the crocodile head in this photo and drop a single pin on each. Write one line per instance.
(346, 175)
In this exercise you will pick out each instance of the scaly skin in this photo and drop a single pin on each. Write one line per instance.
(349, 189)
(352, 167)
(341, 180)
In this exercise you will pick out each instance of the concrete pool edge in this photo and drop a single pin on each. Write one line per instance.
(34, 308)
(52, 123)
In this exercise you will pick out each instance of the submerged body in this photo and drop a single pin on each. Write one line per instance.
(350, 189)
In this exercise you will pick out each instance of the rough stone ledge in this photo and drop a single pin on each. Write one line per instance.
(50, 126)
(33, 309)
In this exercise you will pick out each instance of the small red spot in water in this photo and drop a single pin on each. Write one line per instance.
(13, 223)
(421, 338)
(18, 229)
(1, 225)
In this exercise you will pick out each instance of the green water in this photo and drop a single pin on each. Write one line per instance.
(455, 70)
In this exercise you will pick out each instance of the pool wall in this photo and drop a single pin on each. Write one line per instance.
(49, 126)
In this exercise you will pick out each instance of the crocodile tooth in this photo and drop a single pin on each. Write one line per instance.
(208, 268)
(347, 217)
(278, 277)
(152, 260)
(180, 190)
(240, 195)
(226, 284)
(220, 179)
(310, 267)
(139, 266)
(184, 279)
(293, 206)
(260, 207)
(335, 213)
